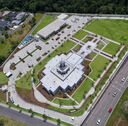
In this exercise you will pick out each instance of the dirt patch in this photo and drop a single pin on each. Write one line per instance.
(50, 96)
(87, 68)
(28, 96)
(2, 96)
(1, 69)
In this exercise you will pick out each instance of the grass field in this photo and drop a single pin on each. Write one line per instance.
(77, 47)
(25, 81)
(82, 90)
(112, 48)
(47, 20)
(63, 101)
(9, 122)
(80, 34)
(113, 29)
(86, 39)
(98, 66)
(3, 78)
(100, 45)
(119, 113)
(92, 55)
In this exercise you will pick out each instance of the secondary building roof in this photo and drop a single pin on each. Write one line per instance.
(51, 28)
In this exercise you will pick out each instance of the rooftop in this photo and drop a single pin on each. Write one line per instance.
(49, 29)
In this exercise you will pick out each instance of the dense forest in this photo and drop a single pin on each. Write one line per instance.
(79, 6)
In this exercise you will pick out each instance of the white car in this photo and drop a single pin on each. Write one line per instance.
(123, 79)
(114, 94)
(72, 118)
(98, 121)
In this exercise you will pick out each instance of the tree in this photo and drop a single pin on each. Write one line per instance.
(1, 122)
(58, 121)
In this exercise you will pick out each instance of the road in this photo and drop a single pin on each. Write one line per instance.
(107, 101)
(26, 119)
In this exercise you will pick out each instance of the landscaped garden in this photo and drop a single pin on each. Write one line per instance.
(80, 34)
(98, 65)
(82, 90)
(112, 48)
(64, 101)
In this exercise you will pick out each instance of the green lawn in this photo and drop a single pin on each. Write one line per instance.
(92, 55)
(112, 48)
(100, 45)
(98, 66)
(119, 112)
(86, 39)
(113, 29)
(3, 78)
(25, 81)
(80, 34)
(77, 47)
(59, 109)
(64, 101)
(47, 20)
(82, 90)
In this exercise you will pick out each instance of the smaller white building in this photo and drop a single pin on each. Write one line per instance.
(51, 28)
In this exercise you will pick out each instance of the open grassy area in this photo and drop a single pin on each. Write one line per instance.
(3, 78)
(113, 29)
(119, 112)
(112, 48)
(25, 81)
(63, 101)
(9, 122)
(80, 34)
(100, 45)
(47, 20)
(98, 66)
(92, 55)
(77, 47)
(82, 90)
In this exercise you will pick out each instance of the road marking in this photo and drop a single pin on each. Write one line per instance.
(117, 88)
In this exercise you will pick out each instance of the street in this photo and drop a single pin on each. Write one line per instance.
(23, 118)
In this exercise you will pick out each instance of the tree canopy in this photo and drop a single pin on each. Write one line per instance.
(79, 6)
